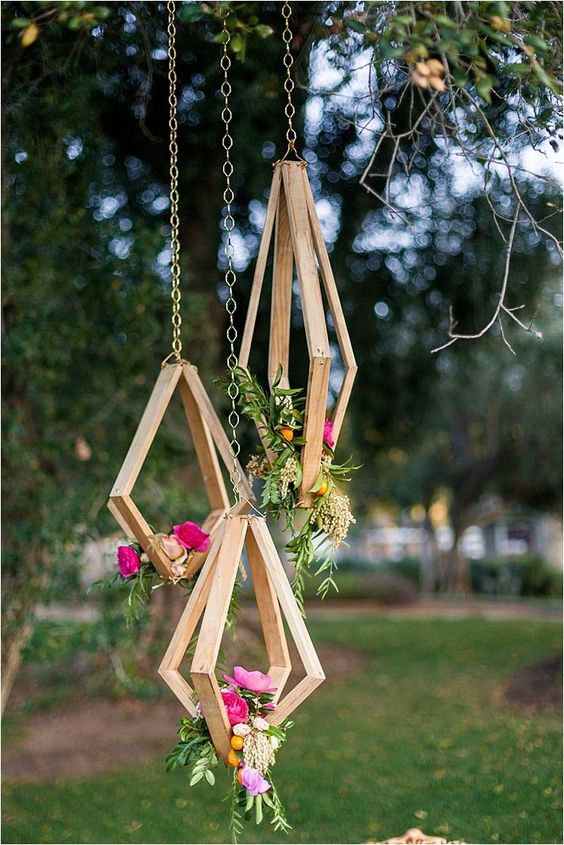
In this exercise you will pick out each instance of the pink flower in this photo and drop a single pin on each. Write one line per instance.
(128, 561)
(253, 781)
(328, 434)
(171, 547)
(191, 536)
(237, 708)
(253, 681)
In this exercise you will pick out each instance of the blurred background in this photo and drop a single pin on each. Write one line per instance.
(442, 645)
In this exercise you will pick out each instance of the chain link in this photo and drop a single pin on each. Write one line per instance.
(288, 61)
(175, 292)
(230, 275)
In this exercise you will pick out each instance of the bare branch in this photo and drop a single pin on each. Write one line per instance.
(508, 252)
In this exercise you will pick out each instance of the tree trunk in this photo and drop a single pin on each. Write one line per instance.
(430, 559)
(12, 658)
(454, 572)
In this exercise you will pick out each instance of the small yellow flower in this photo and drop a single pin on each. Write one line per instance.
(29, 35)
(501, 24)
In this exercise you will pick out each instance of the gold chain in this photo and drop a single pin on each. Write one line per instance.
(230, 275)
(289, 86)
(288, 61)
(175, 293)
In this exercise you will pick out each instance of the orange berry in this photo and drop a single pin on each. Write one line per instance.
(237, 742)
(239, 775)
(323, 488)
(232, 759)
(287, 433)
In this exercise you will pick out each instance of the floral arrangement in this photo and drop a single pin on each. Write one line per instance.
(136, 570)
(248, 698)
(277, 463)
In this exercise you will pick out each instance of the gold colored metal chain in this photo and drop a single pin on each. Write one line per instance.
(175, 292)
(230, 275)
(288, 61)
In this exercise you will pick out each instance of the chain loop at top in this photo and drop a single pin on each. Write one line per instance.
(230, 275)
(175, 292)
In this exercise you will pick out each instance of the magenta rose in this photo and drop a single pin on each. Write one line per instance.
(253, 781)
(128, 561)
(328, 434)
(237, 708)
(191, 536)
(253, 681)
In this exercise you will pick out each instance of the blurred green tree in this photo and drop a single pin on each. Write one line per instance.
(85, 298)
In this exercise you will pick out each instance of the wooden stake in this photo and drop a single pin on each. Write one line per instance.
(145, 434)
(168, 670)
(314, 422)
(345, 346)
(314, 673)
(205, 449)
(281, 305)
(308, 279)
(272, 624)
(211, 633)
(252, 308)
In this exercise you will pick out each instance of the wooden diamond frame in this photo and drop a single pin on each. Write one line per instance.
(210, 600)
(299, 240)
(208, 438)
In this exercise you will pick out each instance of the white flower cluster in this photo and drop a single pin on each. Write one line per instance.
(336, 516)
(288, 475)
(258, 751)
(257, 467)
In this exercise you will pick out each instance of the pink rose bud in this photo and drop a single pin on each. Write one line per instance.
(178, 570)
(171, 547)
(128, 561)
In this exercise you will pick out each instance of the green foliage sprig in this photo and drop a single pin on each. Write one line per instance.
(277, 464)
(195, 751)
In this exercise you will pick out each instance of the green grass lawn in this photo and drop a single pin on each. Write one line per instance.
(419, 738)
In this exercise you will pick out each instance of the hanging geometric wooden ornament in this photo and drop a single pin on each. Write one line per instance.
(208, 438)
(243, 717)
(210, 601)
(299, 242)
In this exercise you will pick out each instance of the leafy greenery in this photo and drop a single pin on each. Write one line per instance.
(419, 736)
(139, 588)
(488, 44)
(279, 417)
(195, 752)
